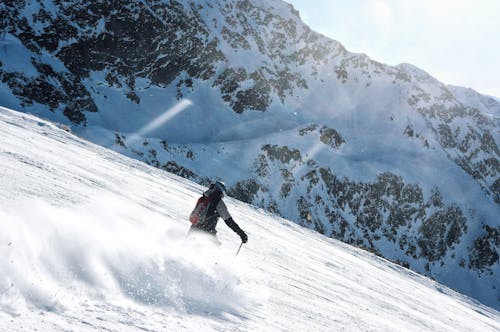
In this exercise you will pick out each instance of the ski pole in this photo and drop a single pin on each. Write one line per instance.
(239, 248)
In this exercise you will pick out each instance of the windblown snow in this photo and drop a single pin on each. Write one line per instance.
(91, 240)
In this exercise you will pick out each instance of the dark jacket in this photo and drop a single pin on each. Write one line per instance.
(216, 209)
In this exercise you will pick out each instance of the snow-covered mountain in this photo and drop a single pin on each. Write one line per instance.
(386, 158)
(91, 240)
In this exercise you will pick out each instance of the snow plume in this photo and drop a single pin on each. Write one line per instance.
(55, 257)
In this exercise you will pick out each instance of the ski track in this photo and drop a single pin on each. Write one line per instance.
(94, 241)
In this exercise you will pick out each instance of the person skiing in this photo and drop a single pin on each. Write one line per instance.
(207, 211)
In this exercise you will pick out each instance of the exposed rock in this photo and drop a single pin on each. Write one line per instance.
(331, 137)
(281, 153)
(485, 252)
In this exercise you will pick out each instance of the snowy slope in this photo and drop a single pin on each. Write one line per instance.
(386, 158)
(91, 240)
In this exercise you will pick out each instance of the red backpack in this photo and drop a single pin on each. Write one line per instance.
(200, 210)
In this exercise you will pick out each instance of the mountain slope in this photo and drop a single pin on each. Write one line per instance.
(83, 252)
(386, 158)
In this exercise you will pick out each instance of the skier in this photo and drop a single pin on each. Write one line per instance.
(208, 210)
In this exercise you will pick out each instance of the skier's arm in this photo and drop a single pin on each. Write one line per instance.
(224, 214)
(234, 226)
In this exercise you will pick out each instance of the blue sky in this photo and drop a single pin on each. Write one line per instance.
(456, 41)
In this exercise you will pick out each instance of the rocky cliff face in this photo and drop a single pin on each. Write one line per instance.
(382, 157)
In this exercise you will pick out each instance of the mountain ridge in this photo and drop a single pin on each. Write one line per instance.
(387, 158)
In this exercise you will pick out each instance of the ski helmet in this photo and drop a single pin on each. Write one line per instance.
(219, 185)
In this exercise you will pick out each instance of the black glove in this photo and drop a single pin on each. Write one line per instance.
(244, 237)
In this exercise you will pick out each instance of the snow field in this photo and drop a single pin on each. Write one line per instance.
(91, 240)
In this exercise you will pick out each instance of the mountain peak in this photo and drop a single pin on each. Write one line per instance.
(417, 73)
